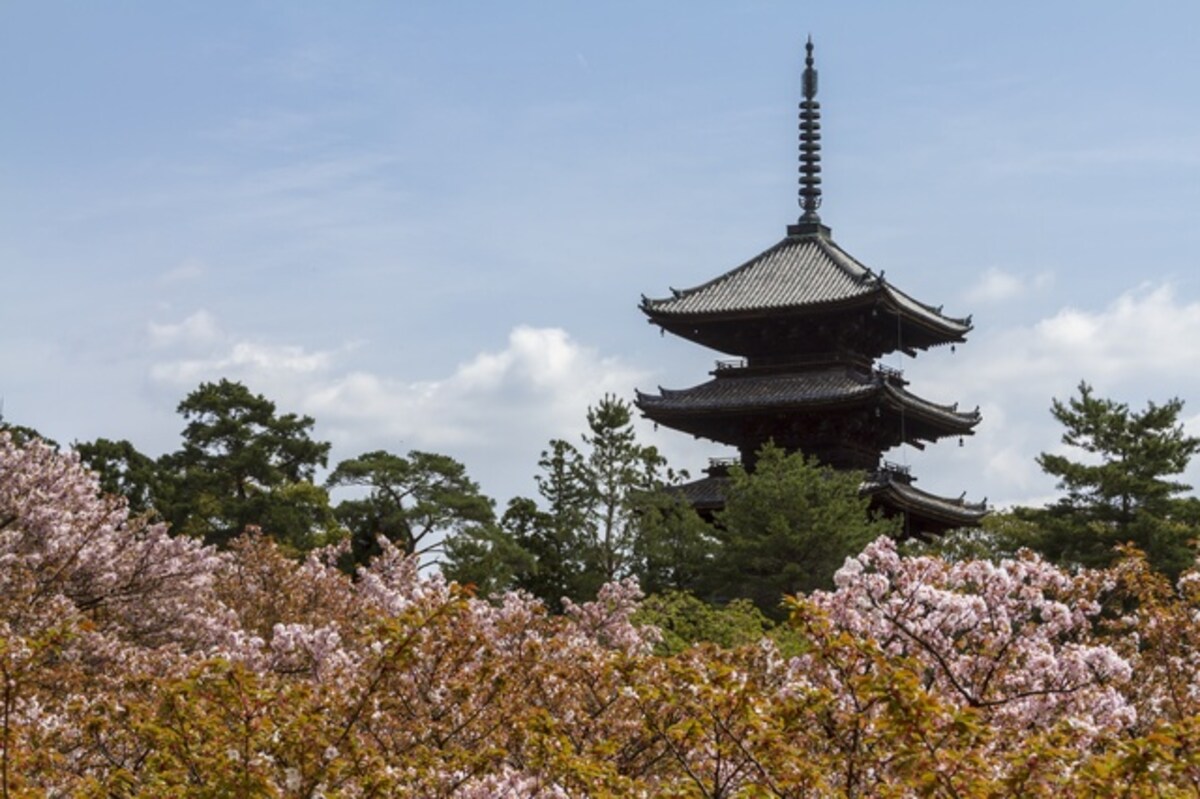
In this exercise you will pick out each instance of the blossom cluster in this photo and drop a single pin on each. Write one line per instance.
(134, 663)
(1014, 639)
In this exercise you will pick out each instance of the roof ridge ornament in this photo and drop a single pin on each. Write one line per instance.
(810, 153)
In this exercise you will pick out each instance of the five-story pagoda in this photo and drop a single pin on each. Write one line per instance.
(807, 323)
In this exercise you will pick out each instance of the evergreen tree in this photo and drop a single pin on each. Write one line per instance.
(123, 470)
(1121, 490)
(602, 516)
(554, 537)
(619, 474)
(243, 464)
(787, 527)
(1137, 452)
(416, 502)
(673, 548)
(489, 557)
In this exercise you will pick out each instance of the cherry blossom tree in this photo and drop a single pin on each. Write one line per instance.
(137, 664)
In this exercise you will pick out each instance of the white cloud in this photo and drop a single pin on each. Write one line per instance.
(198, 330)
(1138, 348)
(198, 349)
(495, 411)
(186, 271)
(997, 285)
(1146, 332)
(245, 359)
(535, 388)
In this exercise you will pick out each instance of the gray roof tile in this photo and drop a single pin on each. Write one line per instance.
(799, 272)
(908, 497)
(790, 390)
(710, 492)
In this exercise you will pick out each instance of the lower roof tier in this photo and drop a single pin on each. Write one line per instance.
(923, 514)
(814, 411)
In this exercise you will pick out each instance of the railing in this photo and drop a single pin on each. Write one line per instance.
(820, 359)
(889, 372)
(888, 472)
(722, 463)
(719, 467)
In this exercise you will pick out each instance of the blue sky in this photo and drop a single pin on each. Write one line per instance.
(429, 225)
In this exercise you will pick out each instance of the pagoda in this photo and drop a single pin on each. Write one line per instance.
(806, 324)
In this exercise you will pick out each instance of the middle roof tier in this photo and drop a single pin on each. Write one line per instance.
(845, 416)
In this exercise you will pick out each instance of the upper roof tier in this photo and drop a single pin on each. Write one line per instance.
(804, 278)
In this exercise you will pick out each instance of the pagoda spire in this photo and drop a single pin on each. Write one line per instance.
(810, 142)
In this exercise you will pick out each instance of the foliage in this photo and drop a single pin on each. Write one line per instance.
(674, 549)
(787, 526)
(604, 517)
(21, 433)
(553, 536)
(1137, 450)
(123, 471)
(617, 471)
(684, 619)
(244, 464)
(540, 558)
(415, 502)
(136, 664)
(69, 554)
(1003, 534)
(1119, 489)
(486, 559)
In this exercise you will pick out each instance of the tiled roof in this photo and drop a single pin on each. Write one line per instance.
(710, 493)
(905, 496)
(799, 272)
(707, 492)
(763, 390)
(912, 402)
(790, 390)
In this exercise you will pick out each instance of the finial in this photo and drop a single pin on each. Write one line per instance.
(810, 142)
(810, 74)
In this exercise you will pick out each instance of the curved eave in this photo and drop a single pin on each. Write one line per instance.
(929, 512)
(801, 275)
(927, 316)
(946, 512)
(775, 394)
(941, 329)
(962, 422)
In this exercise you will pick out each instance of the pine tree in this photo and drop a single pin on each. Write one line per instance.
(787, 527)
(416, 502)
(244, 464)
(1121, 490)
